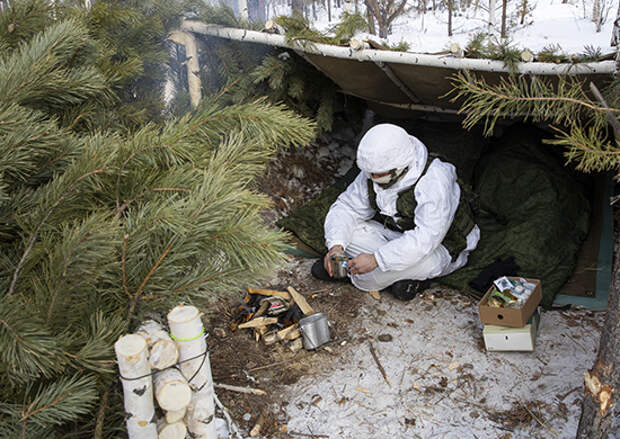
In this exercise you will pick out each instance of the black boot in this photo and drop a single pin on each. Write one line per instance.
(407, 289)
(319, 272)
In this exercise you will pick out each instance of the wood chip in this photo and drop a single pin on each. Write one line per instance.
(453, 365)
(296, 345)
(289, 333)
(263, 292)
(375, 294)
(362, 389)
(258, 322)
(301, 302)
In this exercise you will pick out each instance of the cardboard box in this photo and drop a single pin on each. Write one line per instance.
(504, 338)
(512, 317)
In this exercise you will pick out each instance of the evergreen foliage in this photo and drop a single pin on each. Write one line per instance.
(348, 26)
(107, 212)
(579, 119)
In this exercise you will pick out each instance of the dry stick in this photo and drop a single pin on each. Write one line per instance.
(123, 267)
(232, 426)
(612, 118)
(542, 424)
(381, 369)
(101, 414)
(239, 389)
(563, 396)
(296, 433)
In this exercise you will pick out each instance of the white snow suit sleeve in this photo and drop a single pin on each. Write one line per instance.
(350, 209)
(437, 195)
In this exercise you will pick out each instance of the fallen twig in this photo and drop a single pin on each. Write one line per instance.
(542, 424)
(232, 427)
(296, 433)
(259, 423)
(239, 389)
(381, 369)
(563, 396)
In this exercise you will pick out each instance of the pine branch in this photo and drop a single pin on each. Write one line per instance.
(35, 233)
(26, 346)
(60, 401)
(531, 98)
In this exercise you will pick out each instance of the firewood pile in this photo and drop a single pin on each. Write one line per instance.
(170, 368)
(273, 316)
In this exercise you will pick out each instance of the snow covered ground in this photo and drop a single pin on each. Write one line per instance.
(442, 382)
(550, 22)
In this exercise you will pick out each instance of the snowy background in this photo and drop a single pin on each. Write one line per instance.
(549, 22)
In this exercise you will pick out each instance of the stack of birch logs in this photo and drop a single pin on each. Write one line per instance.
(176, 368)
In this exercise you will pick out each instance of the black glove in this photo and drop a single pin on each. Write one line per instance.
(499, 268)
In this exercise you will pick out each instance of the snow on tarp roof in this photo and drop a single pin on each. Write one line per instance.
(402, 79)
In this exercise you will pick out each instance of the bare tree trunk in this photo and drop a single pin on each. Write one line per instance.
(615, 37)
(370, 18)
(596, 14)
(314, 10)
(504, 6)
(243, 10)
(600, 401)
(329, 11)
(492, 15)
(298, 6)
(523, 11)
(450, 4)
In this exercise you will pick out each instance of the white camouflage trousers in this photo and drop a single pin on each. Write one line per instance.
(370, 235)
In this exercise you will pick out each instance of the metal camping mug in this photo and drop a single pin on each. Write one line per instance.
(314, 330)
(339, 266)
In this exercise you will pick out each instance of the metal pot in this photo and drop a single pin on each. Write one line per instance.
(314, 330)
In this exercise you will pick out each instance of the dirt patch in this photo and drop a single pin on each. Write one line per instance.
(238, 359)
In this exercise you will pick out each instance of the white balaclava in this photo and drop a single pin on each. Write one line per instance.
(385, 148)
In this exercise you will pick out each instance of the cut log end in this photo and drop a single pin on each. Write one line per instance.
(172, 391)
(130, 345)
(164, 354)
(527, 56)
(183, 314)
(176, 430)
(173, 416)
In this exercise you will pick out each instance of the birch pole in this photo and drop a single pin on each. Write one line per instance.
(131, 353)
(188, 332)
(193, 67)
(390, 56)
